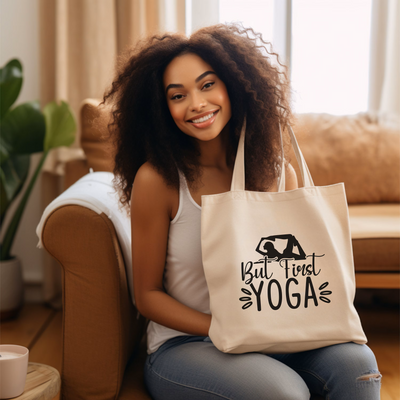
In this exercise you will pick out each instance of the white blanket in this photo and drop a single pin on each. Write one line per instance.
(96, 192)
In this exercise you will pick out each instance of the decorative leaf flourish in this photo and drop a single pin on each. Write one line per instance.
(246, 298)
(324, 293)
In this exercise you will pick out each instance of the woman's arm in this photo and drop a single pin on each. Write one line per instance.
(150, 216)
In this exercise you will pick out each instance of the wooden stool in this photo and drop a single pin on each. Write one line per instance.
(42, 382)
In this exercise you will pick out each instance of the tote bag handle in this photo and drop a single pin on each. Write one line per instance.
(238, 178)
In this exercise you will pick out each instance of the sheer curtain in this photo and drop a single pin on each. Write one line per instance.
(79, 42)
(384, 95)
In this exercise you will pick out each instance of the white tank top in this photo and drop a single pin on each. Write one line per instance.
(184, 278)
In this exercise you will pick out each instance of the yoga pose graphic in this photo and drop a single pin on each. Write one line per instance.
(267, 248)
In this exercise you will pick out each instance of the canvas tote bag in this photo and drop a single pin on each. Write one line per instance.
(279, 265)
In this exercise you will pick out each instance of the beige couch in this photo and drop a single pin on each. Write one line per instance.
(103, 341)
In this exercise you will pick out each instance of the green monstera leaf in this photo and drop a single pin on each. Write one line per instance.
(13, 174)
(5, 149)
(60, 125)
(10, 85)
(22, 131)
(25, 130)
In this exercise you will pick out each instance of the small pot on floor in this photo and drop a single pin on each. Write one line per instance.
(11, 288)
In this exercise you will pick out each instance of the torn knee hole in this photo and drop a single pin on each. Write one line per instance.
(368, 377)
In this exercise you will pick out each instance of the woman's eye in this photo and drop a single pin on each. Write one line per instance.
(207, 85)
(176, 97)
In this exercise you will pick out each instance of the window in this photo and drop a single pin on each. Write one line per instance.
(256, 14)
(329, 44)
(330, 55)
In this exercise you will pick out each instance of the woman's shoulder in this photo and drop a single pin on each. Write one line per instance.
(291, 181)
(291, 178)
(149, 190)
(148, 176)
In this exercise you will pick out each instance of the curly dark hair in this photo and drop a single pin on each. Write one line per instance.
(143, 128)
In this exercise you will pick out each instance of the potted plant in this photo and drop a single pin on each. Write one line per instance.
(25, 130)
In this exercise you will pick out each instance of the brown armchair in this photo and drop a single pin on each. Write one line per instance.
(103, 336)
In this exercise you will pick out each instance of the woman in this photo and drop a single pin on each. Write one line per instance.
(179, 104)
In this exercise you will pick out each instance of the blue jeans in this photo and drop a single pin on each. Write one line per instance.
(191, 367)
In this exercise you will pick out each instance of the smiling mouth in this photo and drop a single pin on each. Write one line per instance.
(203, 119)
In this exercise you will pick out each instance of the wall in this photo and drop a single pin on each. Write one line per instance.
(19, 38)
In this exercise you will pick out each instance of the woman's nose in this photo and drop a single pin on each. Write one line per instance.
(198, 102)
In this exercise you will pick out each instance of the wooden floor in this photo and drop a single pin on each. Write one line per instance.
(39, 329)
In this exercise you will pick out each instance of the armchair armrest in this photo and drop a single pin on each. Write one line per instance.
(101, 327)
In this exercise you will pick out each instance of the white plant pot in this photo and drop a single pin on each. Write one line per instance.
(11, 288)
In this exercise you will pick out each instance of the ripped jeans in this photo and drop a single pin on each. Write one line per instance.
(191, 367)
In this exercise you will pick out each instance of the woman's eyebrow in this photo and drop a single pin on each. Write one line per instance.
(203, 75)
(199, 78)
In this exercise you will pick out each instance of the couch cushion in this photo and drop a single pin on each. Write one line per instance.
(374, 221)
(354, 149)
(377, 255)
(375, 232)
(95, 139)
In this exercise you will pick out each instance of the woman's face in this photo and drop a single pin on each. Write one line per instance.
(197, 99)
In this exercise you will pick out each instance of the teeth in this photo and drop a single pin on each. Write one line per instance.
(205, 118)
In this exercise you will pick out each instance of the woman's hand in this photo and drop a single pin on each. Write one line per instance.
(151, 208)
